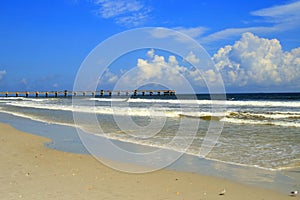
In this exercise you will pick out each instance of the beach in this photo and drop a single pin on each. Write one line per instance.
(29, 170)
(112, 99)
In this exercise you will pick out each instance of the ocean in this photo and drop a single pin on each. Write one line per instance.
(258, 130)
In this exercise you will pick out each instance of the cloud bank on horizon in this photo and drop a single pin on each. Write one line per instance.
(254, 61)
(250, 62)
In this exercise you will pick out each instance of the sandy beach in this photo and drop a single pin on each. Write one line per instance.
(31, 171)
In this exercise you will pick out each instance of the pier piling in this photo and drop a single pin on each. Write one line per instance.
(66, 93)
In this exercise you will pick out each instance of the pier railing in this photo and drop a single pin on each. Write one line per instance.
(67, 93)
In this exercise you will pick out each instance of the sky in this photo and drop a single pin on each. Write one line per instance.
(255, 44)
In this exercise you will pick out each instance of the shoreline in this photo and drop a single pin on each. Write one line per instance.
(32, 170)
(146, 146)
(69, 141)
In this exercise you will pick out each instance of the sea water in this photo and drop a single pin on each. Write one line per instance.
(259, 130)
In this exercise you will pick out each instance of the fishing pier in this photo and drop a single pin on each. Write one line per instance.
(100, 93)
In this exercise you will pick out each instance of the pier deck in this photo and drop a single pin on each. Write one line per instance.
(67, 93)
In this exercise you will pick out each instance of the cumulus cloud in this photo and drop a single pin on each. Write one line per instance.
(258, 61)
(158, 68)
(150, 53)
(167, 70)
(126, 13)
(108, 78)
(2, 74)
(251, 62)
(192, 58)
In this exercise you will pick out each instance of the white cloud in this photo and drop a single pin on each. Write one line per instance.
(113, 8)
(279, 18)
(126, 13)
(258, 61)
(168, 70)
(192, 58)
(193, 32)
(108, 78)
(135, 19)
(233, 32)
(150, 53)
(159, 68)
(161, 33)
(282, 14)
(2, 74)
(251, 62)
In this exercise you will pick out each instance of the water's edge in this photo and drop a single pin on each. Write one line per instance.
(65, 138)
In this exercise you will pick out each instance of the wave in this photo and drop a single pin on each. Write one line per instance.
(293, 104)
(107, 99)
(220, 103)
(103, 110)
(276, 118)
(189, 151)
(12, 98)
(36, 118)
(258, 122)
(203, 117)
(116, 136)
(266, 115)
(162, 101)
(4, 99)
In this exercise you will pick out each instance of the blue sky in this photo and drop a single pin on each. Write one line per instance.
(255, 44)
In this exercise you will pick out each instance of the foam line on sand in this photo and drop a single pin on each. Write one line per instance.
(29, 170)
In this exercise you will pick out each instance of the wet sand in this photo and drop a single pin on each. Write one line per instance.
(29, 170)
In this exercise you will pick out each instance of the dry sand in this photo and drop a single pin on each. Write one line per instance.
(28, 170)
